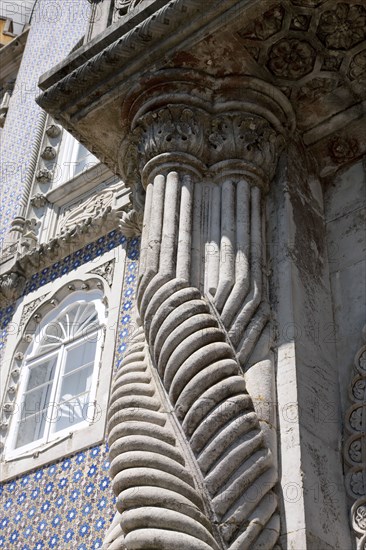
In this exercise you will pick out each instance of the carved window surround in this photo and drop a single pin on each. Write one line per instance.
(101, 275)
(42, 240)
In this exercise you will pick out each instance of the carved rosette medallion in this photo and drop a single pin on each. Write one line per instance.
(291, 58)
(343, 149)
(342, 27)
(355, 445)
(357, 68)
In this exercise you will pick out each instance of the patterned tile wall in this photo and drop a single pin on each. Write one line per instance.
(68, 504)
(56, 27)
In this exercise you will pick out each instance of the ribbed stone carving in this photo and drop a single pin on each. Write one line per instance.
(205, 167)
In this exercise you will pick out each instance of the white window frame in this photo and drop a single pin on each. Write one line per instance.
(12, 465)
(60, 352)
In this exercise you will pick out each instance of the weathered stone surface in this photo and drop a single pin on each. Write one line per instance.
(198, 140)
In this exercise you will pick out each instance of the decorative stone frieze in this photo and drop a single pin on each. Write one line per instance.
(355, 445)
(90, 209)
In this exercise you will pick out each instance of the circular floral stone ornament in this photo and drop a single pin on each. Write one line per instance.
(358, 515)
(291, 58)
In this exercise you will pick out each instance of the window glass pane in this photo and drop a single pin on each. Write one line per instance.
(80, 355)
(73, 411)
(41, 373)
(87, 320)
(36, 400)
(54, 335)
(76, 382)
(31, 428)
(57, 393)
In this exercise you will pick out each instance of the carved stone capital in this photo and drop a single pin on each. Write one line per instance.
(171, 134)
(242, 142)
(206, 127)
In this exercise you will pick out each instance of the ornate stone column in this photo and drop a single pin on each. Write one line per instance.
(203, 471)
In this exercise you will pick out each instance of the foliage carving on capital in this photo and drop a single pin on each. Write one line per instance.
(246, 137)
(171, 129)
(131, 223)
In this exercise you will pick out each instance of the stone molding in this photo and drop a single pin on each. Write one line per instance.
(310, 54)
(355, 446)
(12, 282)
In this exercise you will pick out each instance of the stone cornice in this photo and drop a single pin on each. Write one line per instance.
(74, 95)
(13, 278)
(242, 37)
(129, 43)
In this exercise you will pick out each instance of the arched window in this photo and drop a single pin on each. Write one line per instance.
(60, 371)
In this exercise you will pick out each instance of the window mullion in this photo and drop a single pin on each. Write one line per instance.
(55, 388)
